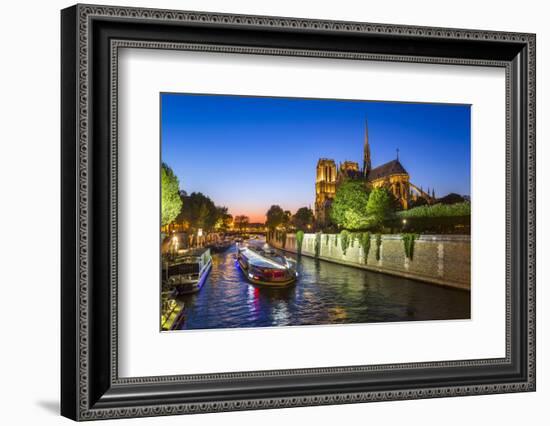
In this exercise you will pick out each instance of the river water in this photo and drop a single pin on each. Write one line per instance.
(325, 293)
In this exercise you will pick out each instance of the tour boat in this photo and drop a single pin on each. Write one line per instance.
(264, 268)
(187, 273)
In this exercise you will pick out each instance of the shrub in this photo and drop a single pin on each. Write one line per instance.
(437, 210)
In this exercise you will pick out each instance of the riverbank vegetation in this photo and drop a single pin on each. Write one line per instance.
(170, 196)
(358, 208)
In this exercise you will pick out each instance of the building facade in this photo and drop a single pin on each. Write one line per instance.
(391, 175)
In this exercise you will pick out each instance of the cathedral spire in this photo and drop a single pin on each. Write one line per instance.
(366, 152)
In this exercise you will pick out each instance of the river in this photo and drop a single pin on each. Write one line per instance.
(325, 293)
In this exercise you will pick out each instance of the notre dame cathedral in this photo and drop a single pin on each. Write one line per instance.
(391, 175)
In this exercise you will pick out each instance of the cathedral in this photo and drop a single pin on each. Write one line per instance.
(391, 175)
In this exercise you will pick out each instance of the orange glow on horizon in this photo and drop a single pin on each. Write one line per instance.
(253, 217)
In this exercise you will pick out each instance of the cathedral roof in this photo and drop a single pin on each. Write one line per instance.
(393, 167)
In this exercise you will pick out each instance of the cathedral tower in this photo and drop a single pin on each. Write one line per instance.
(325, 188)
(367, 167)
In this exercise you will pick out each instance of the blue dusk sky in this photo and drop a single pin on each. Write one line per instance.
(247, 153)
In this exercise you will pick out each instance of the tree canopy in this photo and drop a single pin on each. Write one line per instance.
(379, 207)
(241, 222)
(224, 220)
(303, 218)
(199, 211)
(275, 217)
(349, 207)
(170, 198)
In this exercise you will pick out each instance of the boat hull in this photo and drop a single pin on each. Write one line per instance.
(265, 276)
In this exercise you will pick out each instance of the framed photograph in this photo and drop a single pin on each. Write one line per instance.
(263, 212)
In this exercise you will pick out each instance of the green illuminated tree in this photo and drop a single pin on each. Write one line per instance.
(349, 208)
(170, 196)
(379, 207)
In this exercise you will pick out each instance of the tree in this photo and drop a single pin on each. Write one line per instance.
(379, 207)
(349, 208)
(241, 222)
(170, 198)
(303, 218)
(287, 219)
(451, 198)
(224, 219)
(275, 217)
(199, 211)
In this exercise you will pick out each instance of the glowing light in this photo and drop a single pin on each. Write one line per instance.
(404, 221)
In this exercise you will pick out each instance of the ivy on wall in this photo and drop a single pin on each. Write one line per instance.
(408, 244)
(318, 244)
(344, 241)
(299, 241)
(364, 243)
(378, 244)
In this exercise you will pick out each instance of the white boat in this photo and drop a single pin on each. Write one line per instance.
(265, 268)
(188, 272)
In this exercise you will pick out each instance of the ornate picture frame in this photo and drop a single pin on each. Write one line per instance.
(91, 37)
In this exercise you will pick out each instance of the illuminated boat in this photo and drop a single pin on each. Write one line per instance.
(264, 268)
(172, 316)
(188, 272)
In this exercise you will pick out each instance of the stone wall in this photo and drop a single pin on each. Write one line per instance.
(438, 259)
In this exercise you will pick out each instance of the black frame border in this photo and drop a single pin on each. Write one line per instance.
(91, 388)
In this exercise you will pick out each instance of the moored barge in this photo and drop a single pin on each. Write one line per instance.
(187, 273)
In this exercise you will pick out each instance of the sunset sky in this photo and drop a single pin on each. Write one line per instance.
(248, 153)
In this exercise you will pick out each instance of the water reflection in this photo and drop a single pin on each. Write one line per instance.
(325, 293)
